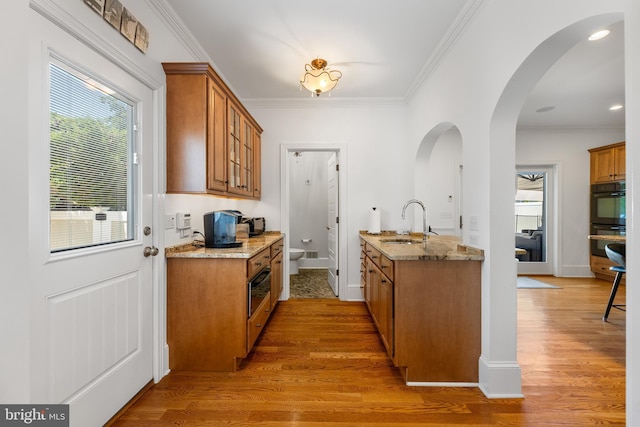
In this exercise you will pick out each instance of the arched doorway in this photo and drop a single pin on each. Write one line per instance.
(501, 288)
(437, 178)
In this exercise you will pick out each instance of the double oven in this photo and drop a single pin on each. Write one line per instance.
(608, 213)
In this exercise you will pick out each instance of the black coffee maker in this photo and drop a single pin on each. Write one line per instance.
(220, 229)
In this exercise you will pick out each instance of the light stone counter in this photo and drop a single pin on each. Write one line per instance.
(438, 247)
(250, 247)
(620, 239)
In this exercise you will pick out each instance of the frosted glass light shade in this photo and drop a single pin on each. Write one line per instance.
(317, 79)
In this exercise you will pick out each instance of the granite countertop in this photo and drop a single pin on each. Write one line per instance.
(438, 247)
(250, 247)
(608, 238)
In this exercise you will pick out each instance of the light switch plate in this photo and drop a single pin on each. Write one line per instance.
(169, 221)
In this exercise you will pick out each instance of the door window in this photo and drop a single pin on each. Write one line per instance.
(91, 140)
(530, 209)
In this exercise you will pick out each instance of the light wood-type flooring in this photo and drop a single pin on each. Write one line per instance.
(321, 363)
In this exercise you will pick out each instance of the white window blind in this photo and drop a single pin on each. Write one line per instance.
(90, 169)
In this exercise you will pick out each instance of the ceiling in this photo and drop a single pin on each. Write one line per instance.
(260, 48)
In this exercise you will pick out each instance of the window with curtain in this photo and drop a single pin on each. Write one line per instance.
(90, 165)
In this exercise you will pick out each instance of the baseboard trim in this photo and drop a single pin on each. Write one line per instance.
(500, 380)
(440, 384)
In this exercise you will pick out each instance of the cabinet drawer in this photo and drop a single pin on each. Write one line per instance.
(374, 254)
(277, 248)
(601, 265)
(258, 262)
(256, 323)
(386, 265)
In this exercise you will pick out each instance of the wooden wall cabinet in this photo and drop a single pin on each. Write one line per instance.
(608, 163)
(211, 138)
(208, 328)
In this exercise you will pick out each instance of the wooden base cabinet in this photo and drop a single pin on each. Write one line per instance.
(437, 320)
(427, 313)
(208, 328)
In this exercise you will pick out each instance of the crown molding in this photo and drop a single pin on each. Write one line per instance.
(461, 23)
(179, 29)
(67, 22)
(321, 102)
(184, 36)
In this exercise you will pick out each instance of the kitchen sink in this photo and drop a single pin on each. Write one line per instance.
(401, 241)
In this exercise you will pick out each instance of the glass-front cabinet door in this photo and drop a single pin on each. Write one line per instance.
(247, 158)
(234, 145)
(242, 141)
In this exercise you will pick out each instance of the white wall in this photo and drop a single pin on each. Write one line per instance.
(14, 283)
(376, 170)
(308, 193)
(567, 148)
(632, 106)
(474, 88)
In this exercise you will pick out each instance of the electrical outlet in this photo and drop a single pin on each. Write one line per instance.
(169, 221)
(474, 239)
(473, 226)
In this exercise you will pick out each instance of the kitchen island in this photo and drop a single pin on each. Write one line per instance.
(208, 323)
(426, 304)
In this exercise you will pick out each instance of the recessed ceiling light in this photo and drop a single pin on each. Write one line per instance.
(599, 35)
(616, 107)
(545, 109)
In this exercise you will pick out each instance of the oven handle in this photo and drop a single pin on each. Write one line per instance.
(260, 277)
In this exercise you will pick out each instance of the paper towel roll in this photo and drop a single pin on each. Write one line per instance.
(374, 221)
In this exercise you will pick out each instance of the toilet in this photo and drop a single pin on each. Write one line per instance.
(294, 255)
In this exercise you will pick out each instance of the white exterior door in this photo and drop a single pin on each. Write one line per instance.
(332, 222)
(91, 308)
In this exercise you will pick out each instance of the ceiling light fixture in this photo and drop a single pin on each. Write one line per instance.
(615, 107)
(318, 79)
(598, 35)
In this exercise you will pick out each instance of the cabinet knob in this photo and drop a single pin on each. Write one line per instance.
(258, 325)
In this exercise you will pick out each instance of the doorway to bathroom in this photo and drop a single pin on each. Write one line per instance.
(311, 220)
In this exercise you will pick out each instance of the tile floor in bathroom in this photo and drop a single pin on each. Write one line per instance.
(310, 283)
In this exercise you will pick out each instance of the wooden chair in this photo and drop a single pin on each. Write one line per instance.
(616, 252)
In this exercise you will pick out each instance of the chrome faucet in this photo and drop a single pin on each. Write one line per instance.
(424, 218)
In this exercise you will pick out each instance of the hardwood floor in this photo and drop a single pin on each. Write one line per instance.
(321, 362)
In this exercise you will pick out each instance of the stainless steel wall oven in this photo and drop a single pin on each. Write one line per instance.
(608, 203)
(259, 287)
(608, 213)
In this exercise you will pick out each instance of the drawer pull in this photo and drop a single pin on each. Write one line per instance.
(258, 325)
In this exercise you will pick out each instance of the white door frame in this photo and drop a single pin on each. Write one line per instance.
(144, 72)
(285, 208)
